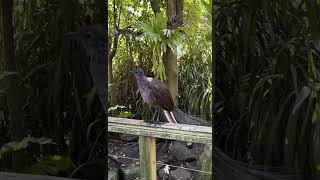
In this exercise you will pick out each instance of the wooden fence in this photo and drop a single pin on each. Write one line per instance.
(147, 139)
(147, 144)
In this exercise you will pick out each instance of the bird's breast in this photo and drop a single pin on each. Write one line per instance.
(146, 92)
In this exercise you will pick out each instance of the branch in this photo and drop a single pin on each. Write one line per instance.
(114, 48)
(116, 34)
(128, 31)
(155, 6)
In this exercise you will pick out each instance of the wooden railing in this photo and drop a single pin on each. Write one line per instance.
(147, 139)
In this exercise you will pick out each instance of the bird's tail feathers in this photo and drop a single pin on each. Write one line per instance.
(228, 169)
(184, 118)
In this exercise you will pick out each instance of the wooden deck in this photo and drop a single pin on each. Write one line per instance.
(18, 176)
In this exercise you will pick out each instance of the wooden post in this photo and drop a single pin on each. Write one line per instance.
(147, 149)
(205, 164)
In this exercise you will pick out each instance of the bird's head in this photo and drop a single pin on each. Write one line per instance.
(92, 38)
(137, 72)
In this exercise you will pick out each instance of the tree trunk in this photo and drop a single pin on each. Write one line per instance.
(174, 7)
(170, 64)
(155, 6)
(101, 12)
(110, 76)
(15, 97)
(112, 52)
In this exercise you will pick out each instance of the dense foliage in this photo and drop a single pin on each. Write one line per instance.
(192, 43)
(267, 92)
(60, 103)
(57, 88)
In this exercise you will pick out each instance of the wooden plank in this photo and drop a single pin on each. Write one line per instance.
(19, 176)
(182, 132)
(148, 166)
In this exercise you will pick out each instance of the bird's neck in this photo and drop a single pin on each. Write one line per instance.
(141, 77)
(141, 80)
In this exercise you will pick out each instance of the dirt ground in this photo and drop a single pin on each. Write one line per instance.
(176, 153)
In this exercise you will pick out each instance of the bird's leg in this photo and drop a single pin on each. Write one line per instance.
(158, 115)
(152, 119)
(155, 117)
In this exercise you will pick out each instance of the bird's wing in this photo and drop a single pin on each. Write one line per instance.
(160, 94)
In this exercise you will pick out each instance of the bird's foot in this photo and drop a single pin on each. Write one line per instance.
(153, 122)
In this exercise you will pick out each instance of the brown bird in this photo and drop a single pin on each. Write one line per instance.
(93, 39)
(155, 93)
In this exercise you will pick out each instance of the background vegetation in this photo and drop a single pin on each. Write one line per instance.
(56, 92)
(140, 35)
(267, 82)
(56, 89)
(140, 42)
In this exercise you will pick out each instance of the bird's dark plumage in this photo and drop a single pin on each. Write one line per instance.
(153, 91)
(156, 93)
(226, 168)
(94, 40)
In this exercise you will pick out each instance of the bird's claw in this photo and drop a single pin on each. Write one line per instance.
(149, 123)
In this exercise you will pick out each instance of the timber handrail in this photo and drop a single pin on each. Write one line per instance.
(181, 132)
(148, 134)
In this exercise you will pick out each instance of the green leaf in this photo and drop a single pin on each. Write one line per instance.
(24, 143)
(50, 165)
(316, 114)
(125, 114)
(305, 92)
(8, 74)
